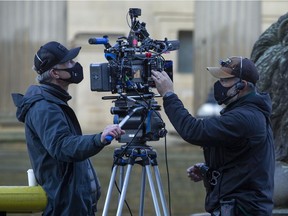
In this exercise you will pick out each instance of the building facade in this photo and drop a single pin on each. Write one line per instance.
(207, 31)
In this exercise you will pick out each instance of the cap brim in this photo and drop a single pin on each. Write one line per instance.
(218, 72)
(71, 55)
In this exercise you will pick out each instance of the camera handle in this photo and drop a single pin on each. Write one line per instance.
(109, 138)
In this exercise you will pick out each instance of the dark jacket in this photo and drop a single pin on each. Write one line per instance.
(58, 151)
(238, 143)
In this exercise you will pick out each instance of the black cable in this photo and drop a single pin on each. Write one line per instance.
(168, 175)
(126, 203)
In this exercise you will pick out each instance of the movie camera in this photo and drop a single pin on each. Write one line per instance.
(128, 70)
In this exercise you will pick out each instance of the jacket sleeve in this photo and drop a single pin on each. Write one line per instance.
(56, 135)
(207, 132)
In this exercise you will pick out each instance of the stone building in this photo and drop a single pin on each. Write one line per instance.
(207, 30)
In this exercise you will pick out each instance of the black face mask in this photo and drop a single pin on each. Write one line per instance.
(220, 92)
(76, 73)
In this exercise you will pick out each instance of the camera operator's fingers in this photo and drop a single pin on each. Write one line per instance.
(163, 82)
(116, 131)
(113, 130)
(194, 174)
(156, 79)
(194, 177)
(120, 132)
(165, 75)
(160, 75)
(155, 75)
(189, 169)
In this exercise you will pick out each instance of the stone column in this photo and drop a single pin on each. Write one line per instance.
(25, 26)
(222, 29)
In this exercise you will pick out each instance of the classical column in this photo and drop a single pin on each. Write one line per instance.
(222, 29)
(25, 25)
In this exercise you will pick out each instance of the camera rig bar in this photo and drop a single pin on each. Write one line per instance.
(109, 138)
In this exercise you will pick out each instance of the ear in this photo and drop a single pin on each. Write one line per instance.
(241, 85)
(54, 74)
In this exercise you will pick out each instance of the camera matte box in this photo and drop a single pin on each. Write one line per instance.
(100, 77)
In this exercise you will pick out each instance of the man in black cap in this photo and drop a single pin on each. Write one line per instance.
(238, 172)
(58, 151)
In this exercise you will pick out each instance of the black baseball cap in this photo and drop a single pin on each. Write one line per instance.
(51, 54)
(231, 67)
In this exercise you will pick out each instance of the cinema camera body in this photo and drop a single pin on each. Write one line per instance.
(128, 74)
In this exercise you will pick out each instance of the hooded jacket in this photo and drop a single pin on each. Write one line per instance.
(58, 151)
(239, 144)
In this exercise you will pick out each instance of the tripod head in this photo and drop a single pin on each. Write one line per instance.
(138, 115)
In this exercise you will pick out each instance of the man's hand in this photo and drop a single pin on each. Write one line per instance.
(194, 172)
(163, 82)
(113, 130)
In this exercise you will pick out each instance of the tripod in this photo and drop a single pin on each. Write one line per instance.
(148, 157)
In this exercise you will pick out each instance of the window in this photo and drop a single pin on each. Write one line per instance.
(185, 53)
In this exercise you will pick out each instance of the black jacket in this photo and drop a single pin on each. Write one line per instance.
(58, 151)
(239, 143)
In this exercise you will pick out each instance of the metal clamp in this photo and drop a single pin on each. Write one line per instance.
(214, 177)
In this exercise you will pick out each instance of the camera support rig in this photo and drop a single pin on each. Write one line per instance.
(129, 70)
(136, 153)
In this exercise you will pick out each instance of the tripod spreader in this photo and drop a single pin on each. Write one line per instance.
(147, 155)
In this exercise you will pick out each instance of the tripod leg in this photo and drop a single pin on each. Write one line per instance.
(121, 179)
(154, 196)
(124, 190)
(160, 189)
(143, 183)
(109, 192)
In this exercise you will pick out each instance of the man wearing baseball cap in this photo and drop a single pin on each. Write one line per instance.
(52, 58)
(58, 151)
(238, 172)
(233, 68)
